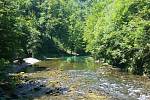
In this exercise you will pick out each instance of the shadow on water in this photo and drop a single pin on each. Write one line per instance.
(37, 88)
(31, 69)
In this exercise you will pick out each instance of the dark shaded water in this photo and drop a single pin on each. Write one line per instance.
(80, 78)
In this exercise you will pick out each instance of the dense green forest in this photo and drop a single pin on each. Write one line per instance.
(119, 32)
(114, 31)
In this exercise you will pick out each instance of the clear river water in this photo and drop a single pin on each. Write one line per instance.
(80, 78)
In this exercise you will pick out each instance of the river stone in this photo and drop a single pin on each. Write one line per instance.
(57, 91)
(31, 60)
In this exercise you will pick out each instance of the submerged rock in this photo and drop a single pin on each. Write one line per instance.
(57, 91)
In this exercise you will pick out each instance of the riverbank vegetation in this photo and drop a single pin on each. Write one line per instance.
(118, 31)
(115, 31)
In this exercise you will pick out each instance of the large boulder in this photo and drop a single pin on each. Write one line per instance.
(31, 60)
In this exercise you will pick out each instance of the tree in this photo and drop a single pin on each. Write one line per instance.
(116, 31)
(8, 32)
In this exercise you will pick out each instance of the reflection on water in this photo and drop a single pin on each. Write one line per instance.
(86, 79)
(71, 63)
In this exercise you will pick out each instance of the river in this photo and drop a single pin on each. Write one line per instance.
(80, 78)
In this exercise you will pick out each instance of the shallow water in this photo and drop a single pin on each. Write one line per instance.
(80, 78)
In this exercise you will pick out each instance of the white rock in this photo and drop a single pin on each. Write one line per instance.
(31, 60)
(142, 97)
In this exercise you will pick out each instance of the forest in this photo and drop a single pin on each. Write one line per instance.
(116, 32)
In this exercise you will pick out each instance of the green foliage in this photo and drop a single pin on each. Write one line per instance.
(8, 34)
(118, 31)
(3, 64)
(29, 26)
